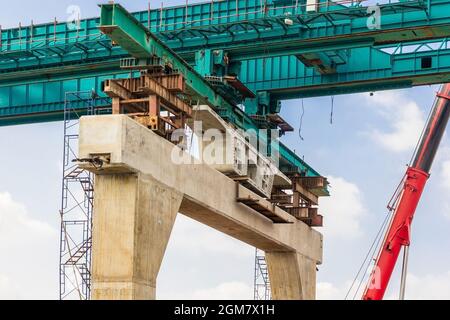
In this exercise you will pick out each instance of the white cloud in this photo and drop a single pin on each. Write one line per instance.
(445, 175)
(441, 174)
(8, 290)
(332, 291)
(426, 287)
(328, 291)
(445, 181)
(208, 258)
(343, 210)
(233, 290)
(431, 286)
(225, 291)
(446, 209)
(25, 243)
(402, 115)
(198, 238)
(14, 218)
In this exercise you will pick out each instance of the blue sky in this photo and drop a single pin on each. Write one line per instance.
(364, 153)
(43, 11)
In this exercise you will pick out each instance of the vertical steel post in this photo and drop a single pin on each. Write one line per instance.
(261, 285)
(404, 272)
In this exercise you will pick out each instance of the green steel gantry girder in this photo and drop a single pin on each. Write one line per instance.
(38, 63)
(125, 30)
(261, 33)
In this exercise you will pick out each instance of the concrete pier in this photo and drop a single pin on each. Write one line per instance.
(134, 216)
(138, 192)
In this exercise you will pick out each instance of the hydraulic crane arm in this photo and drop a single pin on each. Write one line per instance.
(417, 174)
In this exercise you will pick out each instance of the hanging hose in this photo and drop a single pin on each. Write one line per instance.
(301, 122)
(332, 110)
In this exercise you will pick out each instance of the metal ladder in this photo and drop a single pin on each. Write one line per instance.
(77, 205)
(261, 280)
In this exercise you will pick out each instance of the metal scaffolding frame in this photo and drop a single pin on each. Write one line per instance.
(261, 286)
(77, 196)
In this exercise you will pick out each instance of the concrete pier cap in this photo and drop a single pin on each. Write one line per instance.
(138, 193)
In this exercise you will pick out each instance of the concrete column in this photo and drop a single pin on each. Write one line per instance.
(134, 216)
(292, 276)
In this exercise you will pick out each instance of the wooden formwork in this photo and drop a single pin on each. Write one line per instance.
(302, 198)
(155, 100)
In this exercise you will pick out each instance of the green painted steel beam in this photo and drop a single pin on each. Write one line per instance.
(124, 29)
(259, 34)
(285, 77)
(132, 36)
(367, 69)
(35, 79)
(400, 22)
(102, 105)
(223, 24)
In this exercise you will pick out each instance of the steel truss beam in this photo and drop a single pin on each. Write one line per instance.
(42, 51)
(344, 26)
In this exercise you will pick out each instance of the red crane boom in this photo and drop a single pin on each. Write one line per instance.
(399, 231)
